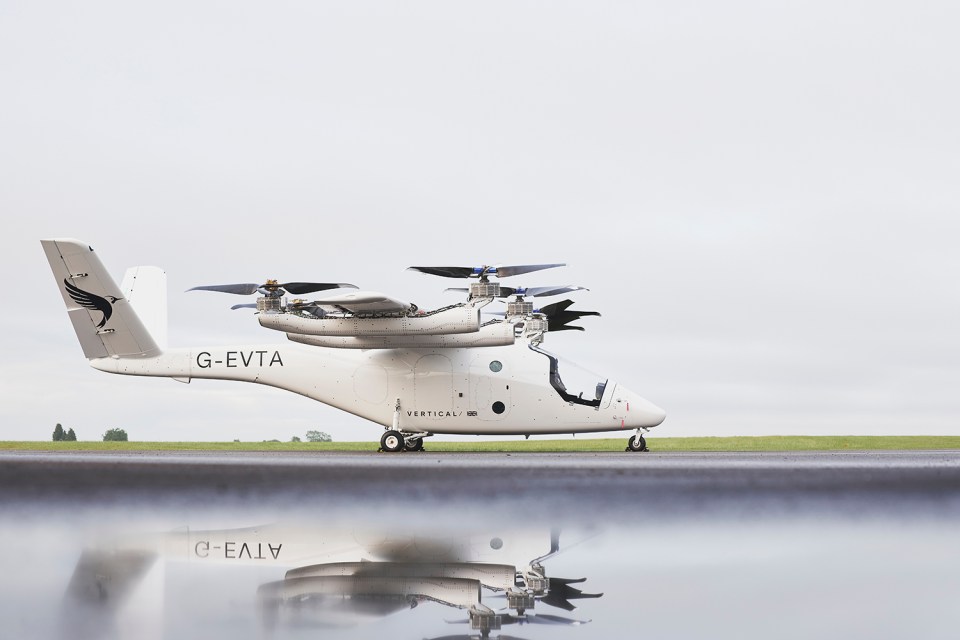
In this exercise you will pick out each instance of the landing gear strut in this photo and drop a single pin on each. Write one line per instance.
(397, 439)
(637, 443)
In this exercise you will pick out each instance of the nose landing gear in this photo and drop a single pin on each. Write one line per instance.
(637, 443)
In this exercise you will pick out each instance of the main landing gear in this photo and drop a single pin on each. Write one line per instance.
(637, 443)
(393, 441)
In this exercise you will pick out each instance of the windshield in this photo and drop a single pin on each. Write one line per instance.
(574, 383)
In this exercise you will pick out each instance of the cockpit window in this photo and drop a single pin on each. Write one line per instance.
(577, 385)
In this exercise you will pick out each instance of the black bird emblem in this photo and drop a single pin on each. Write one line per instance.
(91, 301)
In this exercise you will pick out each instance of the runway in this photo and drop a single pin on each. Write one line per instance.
(661, 484)
(722, 545)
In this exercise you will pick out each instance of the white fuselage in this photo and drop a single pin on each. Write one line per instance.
(449, 391)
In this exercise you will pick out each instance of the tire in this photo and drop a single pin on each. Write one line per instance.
(391, 441)
(637, 443)
(414, 445)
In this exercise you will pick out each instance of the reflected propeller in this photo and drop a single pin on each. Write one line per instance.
(538, 618)
(470, 637)
(561, 593)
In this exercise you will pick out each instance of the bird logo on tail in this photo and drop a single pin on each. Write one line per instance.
(91, 301)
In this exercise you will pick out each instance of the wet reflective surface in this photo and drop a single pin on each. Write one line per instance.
(662, 546)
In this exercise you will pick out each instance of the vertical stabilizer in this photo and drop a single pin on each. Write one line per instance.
(102, 316)
(146, 290)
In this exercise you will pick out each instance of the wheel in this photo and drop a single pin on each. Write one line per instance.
(391, 441)
(414, 445)
(637, 443)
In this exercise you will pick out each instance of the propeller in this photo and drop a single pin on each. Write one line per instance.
(559, 317)
(539, 618)
(469, 637)
(561, 593)
(273, 288)
(313, 308)
(484, 271)
(533, 292)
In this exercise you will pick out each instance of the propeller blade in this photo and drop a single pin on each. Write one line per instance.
(457, 289)
(238, 289)
(516, 270)
(540, 292)
(299, 288)
(468, 272)
(559, 317)
(312, 308)
(295, 288)
(445, 272)
(561, 593)
(469, 637)
(539, 618)
(247, 305)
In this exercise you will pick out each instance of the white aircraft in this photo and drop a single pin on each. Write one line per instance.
(417, 373)
(333, 578)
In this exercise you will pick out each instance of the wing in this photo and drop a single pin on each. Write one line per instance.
(365, 302)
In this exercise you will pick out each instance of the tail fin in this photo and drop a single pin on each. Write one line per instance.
(102, 315)
(146, 290)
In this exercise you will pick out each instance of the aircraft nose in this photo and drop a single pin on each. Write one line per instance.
(655, 414)
(640, 412)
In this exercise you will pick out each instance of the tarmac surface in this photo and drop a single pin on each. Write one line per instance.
(688, 545)
(667, 484)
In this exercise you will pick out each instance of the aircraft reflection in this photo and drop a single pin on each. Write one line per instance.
(340, 578)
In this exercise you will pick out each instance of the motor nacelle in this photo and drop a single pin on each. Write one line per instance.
(459, 319)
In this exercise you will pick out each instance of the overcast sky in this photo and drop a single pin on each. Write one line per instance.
(762, 197)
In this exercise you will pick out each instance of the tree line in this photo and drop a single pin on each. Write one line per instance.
(59, 435)
(120, 435)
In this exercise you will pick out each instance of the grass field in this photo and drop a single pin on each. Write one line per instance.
(660, 445)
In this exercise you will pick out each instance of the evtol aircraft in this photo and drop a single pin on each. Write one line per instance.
(417, 373)
(333, 578)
